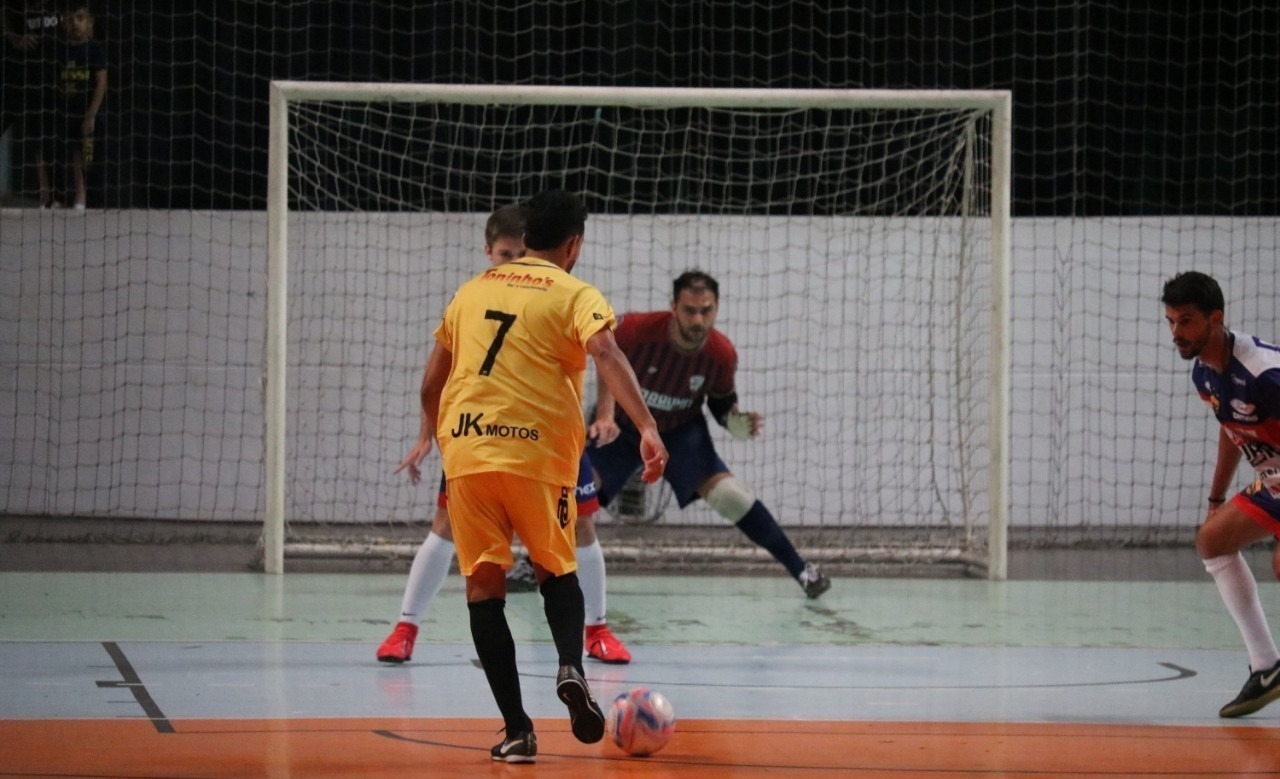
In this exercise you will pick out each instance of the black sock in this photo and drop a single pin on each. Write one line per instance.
(562, 603)
(760, 526)
(497, 651)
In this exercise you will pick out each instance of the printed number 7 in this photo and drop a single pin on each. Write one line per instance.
(507, 320)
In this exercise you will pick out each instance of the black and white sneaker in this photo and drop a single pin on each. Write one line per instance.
(520, 748)
(585, 715)
(1262, 688)
(813, 582)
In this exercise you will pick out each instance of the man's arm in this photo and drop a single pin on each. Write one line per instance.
(13, 34)
(604, 430)
(1225, 470)
(434, 377)
(618, 381)
(95, 103)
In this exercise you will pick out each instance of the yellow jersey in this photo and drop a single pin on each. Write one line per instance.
(513, 400)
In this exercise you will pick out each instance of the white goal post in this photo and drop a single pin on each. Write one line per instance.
(904, 450)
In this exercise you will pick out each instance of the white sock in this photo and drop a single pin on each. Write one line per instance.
(591, 579)
(1240, 592)
(426, 575)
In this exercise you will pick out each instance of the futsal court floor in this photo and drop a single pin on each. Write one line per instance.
(220, 675)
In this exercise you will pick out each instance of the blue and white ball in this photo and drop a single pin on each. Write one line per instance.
(641, 721)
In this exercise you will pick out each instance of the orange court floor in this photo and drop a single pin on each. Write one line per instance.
(376, 748)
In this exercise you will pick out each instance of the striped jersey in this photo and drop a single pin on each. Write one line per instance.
(674, 383)
(513, 400)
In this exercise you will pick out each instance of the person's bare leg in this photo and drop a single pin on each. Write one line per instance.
(77, 179)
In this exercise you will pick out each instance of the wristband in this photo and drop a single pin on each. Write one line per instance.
(1217, 500)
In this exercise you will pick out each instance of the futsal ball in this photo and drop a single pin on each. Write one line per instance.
(641, 721)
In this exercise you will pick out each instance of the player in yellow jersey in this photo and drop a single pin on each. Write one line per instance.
(502, 396)
(503, 242)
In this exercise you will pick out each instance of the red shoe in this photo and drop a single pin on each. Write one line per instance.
(398, 647)
(604, 646)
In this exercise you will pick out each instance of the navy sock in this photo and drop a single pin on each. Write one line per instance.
(760, 526)
(562, 603)
(497, 651)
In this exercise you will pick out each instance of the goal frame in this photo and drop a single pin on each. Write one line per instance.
(998, 102)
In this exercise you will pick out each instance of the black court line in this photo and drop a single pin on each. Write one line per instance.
(1179, 673)
(133, 683)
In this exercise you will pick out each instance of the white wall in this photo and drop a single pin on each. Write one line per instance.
(132, 345)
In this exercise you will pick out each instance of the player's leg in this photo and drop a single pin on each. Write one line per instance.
(734, 501)
(696, 471)
(601, 643)
(544, 516)
(1235, 525)
(482, 536)
(427, 573)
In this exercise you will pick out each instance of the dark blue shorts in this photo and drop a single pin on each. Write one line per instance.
(588, 502)
(693, 461)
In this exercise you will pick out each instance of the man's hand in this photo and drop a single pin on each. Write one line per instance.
(603, 431)
(744, 425)
(414, 458)
(21, 42)
(654, 454)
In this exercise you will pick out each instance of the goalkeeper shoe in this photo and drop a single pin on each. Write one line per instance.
(520, 576)
(813, 582)
(1262, 687)
(398, 647)
(604, 646)
(520, 748)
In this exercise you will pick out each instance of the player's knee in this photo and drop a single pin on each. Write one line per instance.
(730, 498)
(1207, 544)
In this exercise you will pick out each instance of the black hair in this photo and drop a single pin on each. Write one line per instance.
(551, 218)
(1193, 288)
(695, 280)
(506, 222)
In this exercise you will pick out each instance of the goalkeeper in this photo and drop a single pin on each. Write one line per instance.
(681, 360)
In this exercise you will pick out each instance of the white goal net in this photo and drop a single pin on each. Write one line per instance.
(860, 239)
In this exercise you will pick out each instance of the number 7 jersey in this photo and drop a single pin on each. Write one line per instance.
(513, 400)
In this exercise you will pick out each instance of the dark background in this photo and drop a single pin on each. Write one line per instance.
(1119, 109)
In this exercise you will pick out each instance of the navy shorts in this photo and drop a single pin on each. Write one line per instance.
(588, 502)
(693, 461)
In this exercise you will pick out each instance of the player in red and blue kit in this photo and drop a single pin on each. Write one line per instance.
(681, 360)
(1238, 376)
